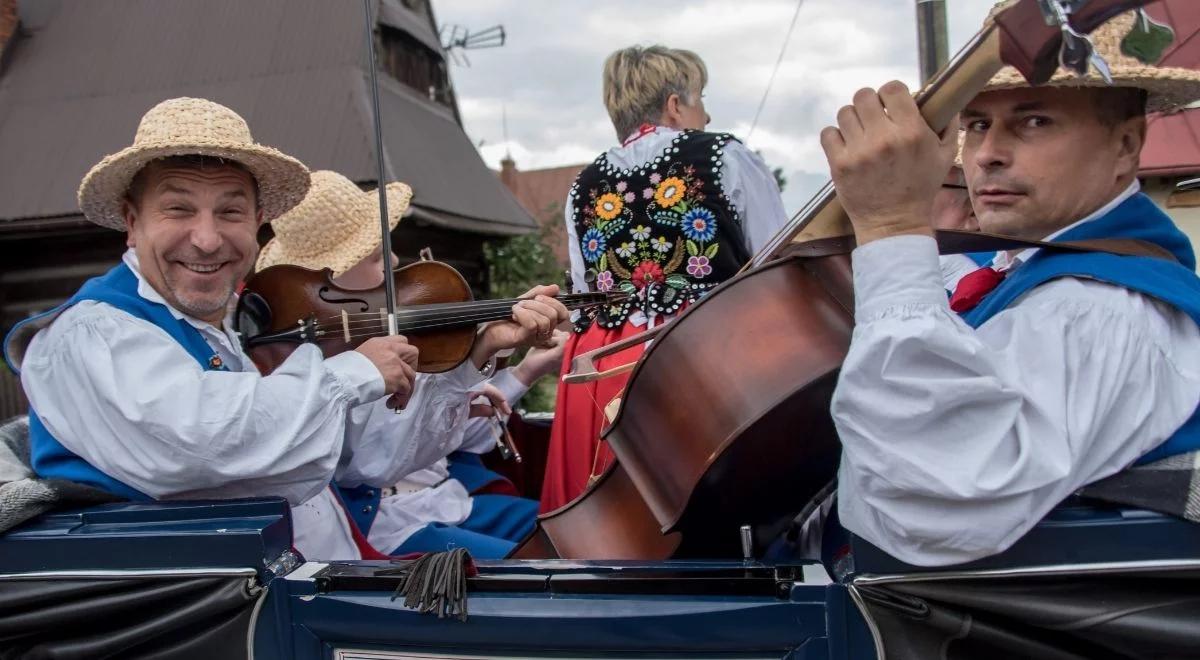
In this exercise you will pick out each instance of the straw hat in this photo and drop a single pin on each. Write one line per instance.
(186, 127)
(335, 227)
(1169, 87)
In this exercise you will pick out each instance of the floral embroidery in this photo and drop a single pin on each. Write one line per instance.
(604, 281)
(699, 224)
(593, 245)
(609, 206)
(670, 192)
(647, 273)
(697, 267)
(666, 246)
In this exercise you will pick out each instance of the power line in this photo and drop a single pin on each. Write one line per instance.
(782, 50)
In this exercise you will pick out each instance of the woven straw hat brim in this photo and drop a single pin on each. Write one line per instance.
(1168, 88)
(282, 180)
(360, 244)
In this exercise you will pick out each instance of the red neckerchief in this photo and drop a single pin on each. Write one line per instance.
(643, 131)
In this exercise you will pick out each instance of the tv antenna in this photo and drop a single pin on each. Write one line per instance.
(456, 40)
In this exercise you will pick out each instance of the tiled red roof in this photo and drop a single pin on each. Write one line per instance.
(1173, 141)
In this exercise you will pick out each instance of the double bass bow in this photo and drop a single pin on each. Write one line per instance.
(753, 439)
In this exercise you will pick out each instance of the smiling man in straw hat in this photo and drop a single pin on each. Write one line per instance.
(964, 423)
(337, 227)
(138, 385)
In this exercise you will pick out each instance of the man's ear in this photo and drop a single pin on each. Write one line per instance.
(130, 215)
(258, 213)
(1132, 136)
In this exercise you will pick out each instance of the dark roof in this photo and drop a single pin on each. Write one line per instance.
(75, 85)
(1173, 141)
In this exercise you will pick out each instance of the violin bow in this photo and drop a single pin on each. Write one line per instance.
(1033, 36)
(385, 245)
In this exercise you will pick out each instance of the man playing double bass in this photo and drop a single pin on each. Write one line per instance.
(964, 422)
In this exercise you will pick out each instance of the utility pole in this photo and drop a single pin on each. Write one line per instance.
(932, 42)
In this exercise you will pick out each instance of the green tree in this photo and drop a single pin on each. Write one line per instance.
(516, 265)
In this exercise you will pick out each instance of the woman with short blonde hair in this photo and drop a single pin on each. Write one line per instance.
(639, 83)
(665, 216)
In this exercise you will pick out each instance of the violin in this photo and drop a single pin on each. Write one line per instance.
(282, 307)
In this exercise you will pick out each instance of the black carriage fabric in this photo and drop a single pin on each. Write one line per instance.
(665, 232)
(1134, 615)
(1170, 485)
(148, 618)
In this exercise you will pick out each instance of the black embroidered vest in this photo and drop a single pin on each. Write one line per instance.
(664, 231)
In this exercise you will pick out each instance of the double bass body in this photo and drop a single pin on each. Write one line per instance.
(725, 422)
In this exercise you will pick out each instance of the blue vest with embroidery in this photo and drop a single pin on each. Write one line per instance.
(1173, 283)
(119, 288)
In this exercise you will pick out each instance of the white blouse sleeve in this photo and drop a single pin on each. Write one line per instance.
(574, 253)
(752, 189)
(957, 441)
(126, 397)
(383, 446)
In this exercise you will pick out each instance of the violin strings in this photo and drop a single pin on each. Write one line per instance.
(410, 327)
(330, 322)
(336, 322)
(440, 308)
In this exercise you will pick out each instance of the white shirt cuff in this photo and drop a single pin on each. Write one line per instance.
(509, 385)
(898, 271)
(358, 376)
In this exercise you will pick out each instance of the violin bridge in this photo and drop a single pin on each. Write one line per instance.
(346, 326)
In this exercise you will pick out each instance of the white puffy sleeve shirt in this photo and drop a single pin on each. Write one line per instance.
(957, 441)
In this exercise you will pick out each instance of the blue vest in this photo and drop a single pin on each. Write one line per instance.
(361, 502)
(119, 288)
(1173, 283)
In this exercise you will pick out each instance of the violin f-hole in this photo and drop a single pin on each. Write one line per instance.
(321, 293)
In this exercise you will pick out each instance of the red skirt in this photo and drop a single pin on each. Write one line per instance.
(576, 452)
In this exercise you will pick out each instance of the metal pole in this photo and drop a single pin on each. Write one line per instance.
(389, 278)
(932, 43)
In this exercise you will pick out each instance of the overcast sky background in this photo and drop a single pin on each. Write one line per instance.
(547, 76)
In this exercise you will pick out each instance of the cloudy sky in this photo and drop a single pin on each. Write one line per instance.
(547, 76)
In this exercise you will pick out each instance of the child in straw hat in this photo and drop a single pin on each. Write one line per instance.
(138, 385)
(336, 226)
(963, 424)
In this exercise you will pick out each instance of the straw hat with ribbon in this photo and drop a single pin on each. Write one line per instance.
(188, 127)
(335, 227)
(1169, 88)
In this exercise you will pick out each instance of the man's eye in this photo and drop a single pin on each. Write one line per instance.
(1035, 121)
(977, 126)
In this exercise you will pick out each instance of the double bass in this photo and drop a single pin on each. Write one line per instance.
(750, 440)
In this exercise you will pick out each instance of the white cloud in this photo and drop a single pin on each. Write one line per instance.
(546, 79)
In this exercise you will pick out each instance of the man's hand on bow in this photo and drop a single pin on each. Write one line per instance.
(886, 163)
(487, 401)
(396, 360)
